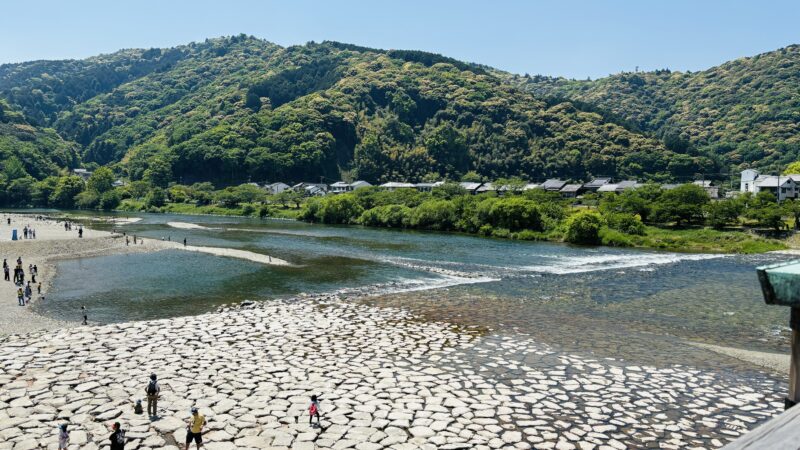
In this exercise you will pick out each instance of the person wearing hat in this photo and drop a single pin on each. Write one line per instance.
(195, 429)
(153, 391)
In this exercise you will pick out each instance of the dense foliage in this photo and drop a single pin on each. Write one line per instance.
(745, 112)
(234, 109)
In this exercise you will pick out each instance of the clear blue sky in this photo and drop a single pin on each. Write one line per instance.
(556, 37)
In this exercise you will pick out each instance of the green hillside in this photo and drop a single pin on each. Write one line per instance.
(233, 109)
(745, 111)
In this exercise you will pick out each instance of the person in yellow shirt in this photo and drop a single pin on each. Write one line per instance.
(195, 429)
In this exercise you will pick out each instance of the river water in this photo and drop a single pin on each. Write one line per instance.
(642, 306)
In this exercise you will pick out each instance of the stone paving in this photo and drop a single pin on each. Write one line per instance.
(386, 379)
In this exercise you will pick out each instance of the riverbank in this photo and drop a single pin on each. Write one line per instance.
(688, 240)
(386, 380)
(54, 243)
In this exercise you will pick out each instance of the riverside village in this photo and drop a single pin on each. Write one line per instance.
(309, 225)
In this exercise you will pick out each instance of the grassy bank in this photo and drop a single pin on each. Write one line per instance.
(700, 240)
(694, 240)
(242, 210)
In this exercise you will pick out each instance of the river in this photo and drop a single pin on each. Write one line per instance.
(642, 306)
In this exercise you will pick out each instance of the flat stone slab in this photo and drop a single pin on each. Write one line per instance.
(385, 379)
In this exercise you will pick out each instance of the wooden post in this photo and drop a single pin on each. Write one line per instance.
(794, 365)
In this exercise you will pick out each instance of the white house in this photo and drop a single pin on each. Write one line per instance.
(782, 186)
(394, 185)
(276, 188)
(341, 186)
(83, 173)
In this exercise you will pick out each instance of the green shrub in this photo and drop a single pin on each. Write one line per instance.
(515, 214)
(248, 210)
(584, 228)
(434, 215)
(392, 216)
(626, 223)
(110, 200)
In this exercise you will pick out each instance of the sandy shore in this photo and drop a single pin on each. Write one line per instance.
(54, 243)
(777, 362)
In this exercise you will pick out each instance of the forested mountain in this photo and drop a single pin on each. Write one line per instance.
(234, 109)
(746, 111)
(238, 108)
(31, 151)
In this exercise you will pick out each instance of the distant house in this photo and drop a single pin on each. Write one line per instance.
(708, 186)
(531, 186)
(669, 187)
(311, 189)
(571, 190)
(553, 185)
(596, 183)
(358, 185)
(470, 186)
(340, 187)
(118, 183)
(83, 173)
(314, 191)
(607, 188)
(427, 187)
(782, 186)
(276, 188)
(627, 184)
(486, 187)
(394, 185)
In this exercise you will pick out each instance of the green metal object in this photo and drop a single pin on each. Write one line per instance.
(780, 283)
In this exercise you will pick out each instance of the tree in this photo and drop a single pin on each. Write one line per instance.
(110, 200)
(159, 172)
(66, 190)
(14, 169)
(102, 180)
(155, 198)
(584, 228)
(764, 209)
(515, 214)
(793, 168)
(682, 204)
(722, 213)
(792, 208)
(20, 191)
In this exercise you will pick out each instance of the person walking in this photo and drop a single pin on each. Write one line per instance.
(6, 271)
(63, 437)
(195, 429)
(20, 297)
(28, 292)
(85, 315)
(117, 437)
(313, 410)
(153, 391)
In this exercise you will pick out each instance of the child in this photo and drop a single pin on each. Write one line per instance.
(313, 410)
(63, 437)
(137, 409)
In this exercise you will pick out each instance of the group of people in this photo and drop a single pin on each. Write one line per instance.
(28, 232)
(68, 227)
(24, 289)
(194, 426)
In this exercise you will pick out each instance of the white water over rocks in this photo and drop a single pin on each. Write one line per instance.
(387, 380)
